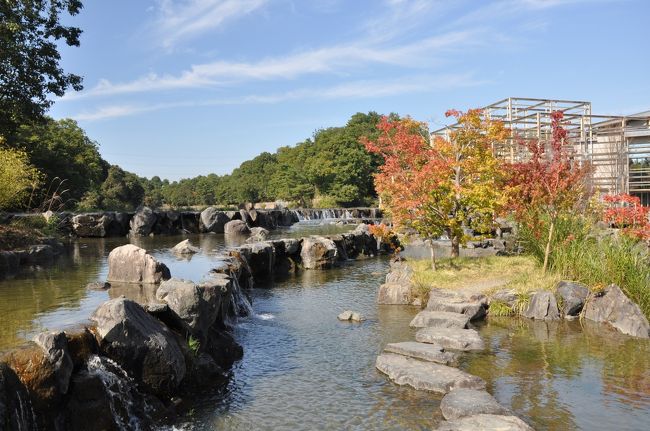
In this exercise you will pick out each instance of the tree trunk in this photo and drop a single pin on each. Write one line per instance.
(455, 246)
(433, 256)
(547, 252)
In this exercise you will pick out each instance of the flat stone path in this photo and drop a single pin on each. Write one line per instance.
(486, 423)
(452, 338)
(462, 402)
(439, 319)
(427, 376)
(471, 304)
(424, 351)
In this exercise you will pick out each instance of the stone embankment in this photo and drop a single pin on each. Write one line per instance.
(130, 368)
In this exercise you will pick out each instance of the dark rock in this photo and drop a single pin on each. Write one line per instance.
(573, 296)
(16, 411)
(140, 344)
(132, 264)
(213, 220)
(614, 308)
(542, 306)
(9, 262)
(39, 254)
(81, 345)
(143, 221)
(236, 227)
(98, 285)
(223, 348)
(463, 402)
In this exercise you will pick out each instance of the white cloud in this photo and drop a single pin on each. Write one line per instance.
(181, 20)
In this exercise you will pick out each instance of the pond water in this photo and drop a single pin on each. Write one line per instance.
(303, 369)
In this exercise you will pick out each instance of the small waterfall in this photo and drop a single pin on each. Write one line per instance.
(120, 389)
(241, 306)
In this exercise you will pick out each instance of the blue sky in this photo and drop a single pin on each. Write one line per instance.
(182, 88)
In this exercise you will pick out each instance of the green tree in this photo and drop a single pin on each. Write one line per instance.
(121, 190)
(29, 59)
(17, 177)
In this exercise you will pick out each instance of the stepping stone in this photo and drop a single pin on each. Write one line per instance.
(426, 376)
(461, 302)
(462, 402)
(486, 423)
(439, 319)
(424, 351)
(451, 338)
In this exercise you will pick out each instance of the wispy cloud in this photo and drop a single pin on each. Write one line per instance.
(182, 20)
(350, 90)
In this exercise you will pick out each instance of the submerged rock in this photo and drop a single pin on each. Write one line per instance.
(424, 351)
(318, 253)
(236, 227)
(614, 308)
(349, 315)
(98, 285)
(573, 296)
(486, 423)
(463, 402)
(427, 376)
(542, 306)
(184, 247)
(140, 344)
(451, 338)
(132, 264)
(439, 319)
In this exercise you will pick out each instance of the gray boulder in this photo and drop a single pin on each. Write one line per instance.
(258, 234)
(427, 376)
(573, 296)
(132, 264)
(236, 227)
(457, 301)
(439, 319)
(398, 288)
(184, 247)
(213, 220)
(424, 351)
(542, 306)
(140, 344)
(506, 296)
(463, 402)
(353, 316)
(91, 225)
(451, 338)
(614, 308)
(58, 359)
(486, 423)
(318, 253)
(142, 222)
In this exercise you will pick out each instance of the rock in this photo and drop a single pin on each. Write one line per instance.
(142, 222)
(462, 402)
(573, 296)
(236, 227)
(140, 344)
(427, 376)
(353, 316)
(55, 346)
(9, 262)
(39, 254)
(261, 258)
(486, 423)
(542, 306)
(424, 351)
(614, 308)
(398, 288)
(213, 220)
(318, 253)
(258, 234)
(439, 319)
(16, 411)
(90, 225)
(184, 247)
(98, 285)
(132, 264)
(451, 338)
(457, 301)
(506, 296)
(81, 345)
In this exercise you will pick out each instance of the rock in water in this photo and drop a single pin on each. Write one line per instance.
(132, 264)
(462, 402)
(16, 412)
(427, 376)
(318, 253)
(236, 227)
(349, 315)
(213, 220)
(184, 247)
(486, 423)
(424, 351)
(573, 297)
(542, 306)
(439, 319)
(143, 221)
(55, 346)
(616, 309)
(258, 234)
(451, 338)
(457, 301)
(140, 344)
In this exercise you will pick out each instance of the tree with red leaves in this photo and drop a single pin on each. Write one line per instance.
(548, 184)
(626, 212)
(439, 186)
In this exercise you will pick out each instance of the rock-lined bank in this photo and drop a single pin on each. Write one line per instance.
(138, 359)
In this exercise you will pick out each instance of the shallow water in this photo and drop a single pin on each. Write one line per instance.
(303, 369)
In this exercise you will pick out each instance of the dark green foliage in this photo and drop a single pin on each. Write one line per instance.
(120, 191)
(29, 59)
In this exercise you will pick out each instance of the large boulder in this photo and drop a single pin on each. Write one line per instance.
(184, 248)
(573, 296)
(213, 220)
(318, 253)
(542, 306)
(258, 234)
(399, 286)
(132, 264)
(485, 422)
(91, 225)
(611, 306)
(143, 221)
(236, 227)
(463, 402)
(140, 344)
